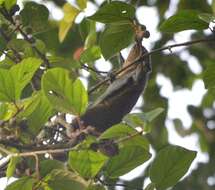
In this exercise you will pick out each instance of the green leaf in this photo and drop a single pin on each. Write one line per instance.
(29, 105)
(9, 4)
(209, 76)
(114, 12)
(35, 16)
(150, 186)
(24, 183)
(20, 45)
(121, 131)
(66, 23)
(183, 20)
(12, 166)
(86, 162)
(91, 40)
(170, 164)
(129, 157)
(213, 6)
(63, 180)
(79, 97)
(116, 37)
(46, 166)
(7, 110)
(140, 119)
(200, 5)
(64, 94)
(91, 54)
(3, 43)
(3, 110)
(82, 4)
(85, 27)
(96, 187)
(7, 86)
(40, 114)
(207, 17)
(23, 72)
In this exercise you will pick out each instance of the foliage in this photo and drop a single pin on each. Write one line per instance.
(41, 85)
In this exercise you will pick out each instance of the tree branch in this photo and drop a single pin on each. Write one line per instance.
(87, 68)
(30, 40)
(147, 54)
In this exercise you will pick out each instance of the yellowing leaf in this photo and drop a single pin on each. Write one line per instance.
(82, 4)
(70, 14)
(213, 6)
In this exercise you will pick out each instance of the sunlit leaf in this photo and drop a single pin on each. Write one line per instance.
(141, 119)
(122, 131)
(23, 72)
(90, 40)
(65, 180)
(183, 20)
(12, 166)
(213, 6)
(170, 164)
(86, 162)
(7, 86)
(66, 23)
(24, 183)
(82, 4)
(79, 97)
(40, 114)
(129, 157)
(9, 3)
(207, 17)
(90, 54)
(63, 93)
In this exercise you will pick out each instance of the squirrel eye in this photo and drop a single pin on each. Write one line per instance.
(146, 34)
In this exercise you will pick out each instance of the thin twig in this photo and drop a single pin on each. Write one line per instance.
(94, 70)
(4, 150)
(37, 164)
(7, 39)
(147, 54)
(30, 40)
(9, 56)
(42, 152)
(130, 136)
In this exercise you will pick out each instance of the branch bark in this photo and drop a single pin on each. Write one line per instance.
(189, 43)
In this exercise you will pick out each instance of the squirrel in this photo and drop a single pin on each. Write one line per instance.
(122, 94)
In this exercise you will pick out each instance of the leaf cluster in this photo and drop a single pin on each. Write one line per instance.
(42, 84)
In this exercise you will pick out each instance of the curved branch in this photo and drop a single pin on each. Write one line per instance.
(150, 53)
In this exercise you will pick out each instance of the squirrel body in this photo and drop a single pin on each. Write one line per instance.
(121, 95)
